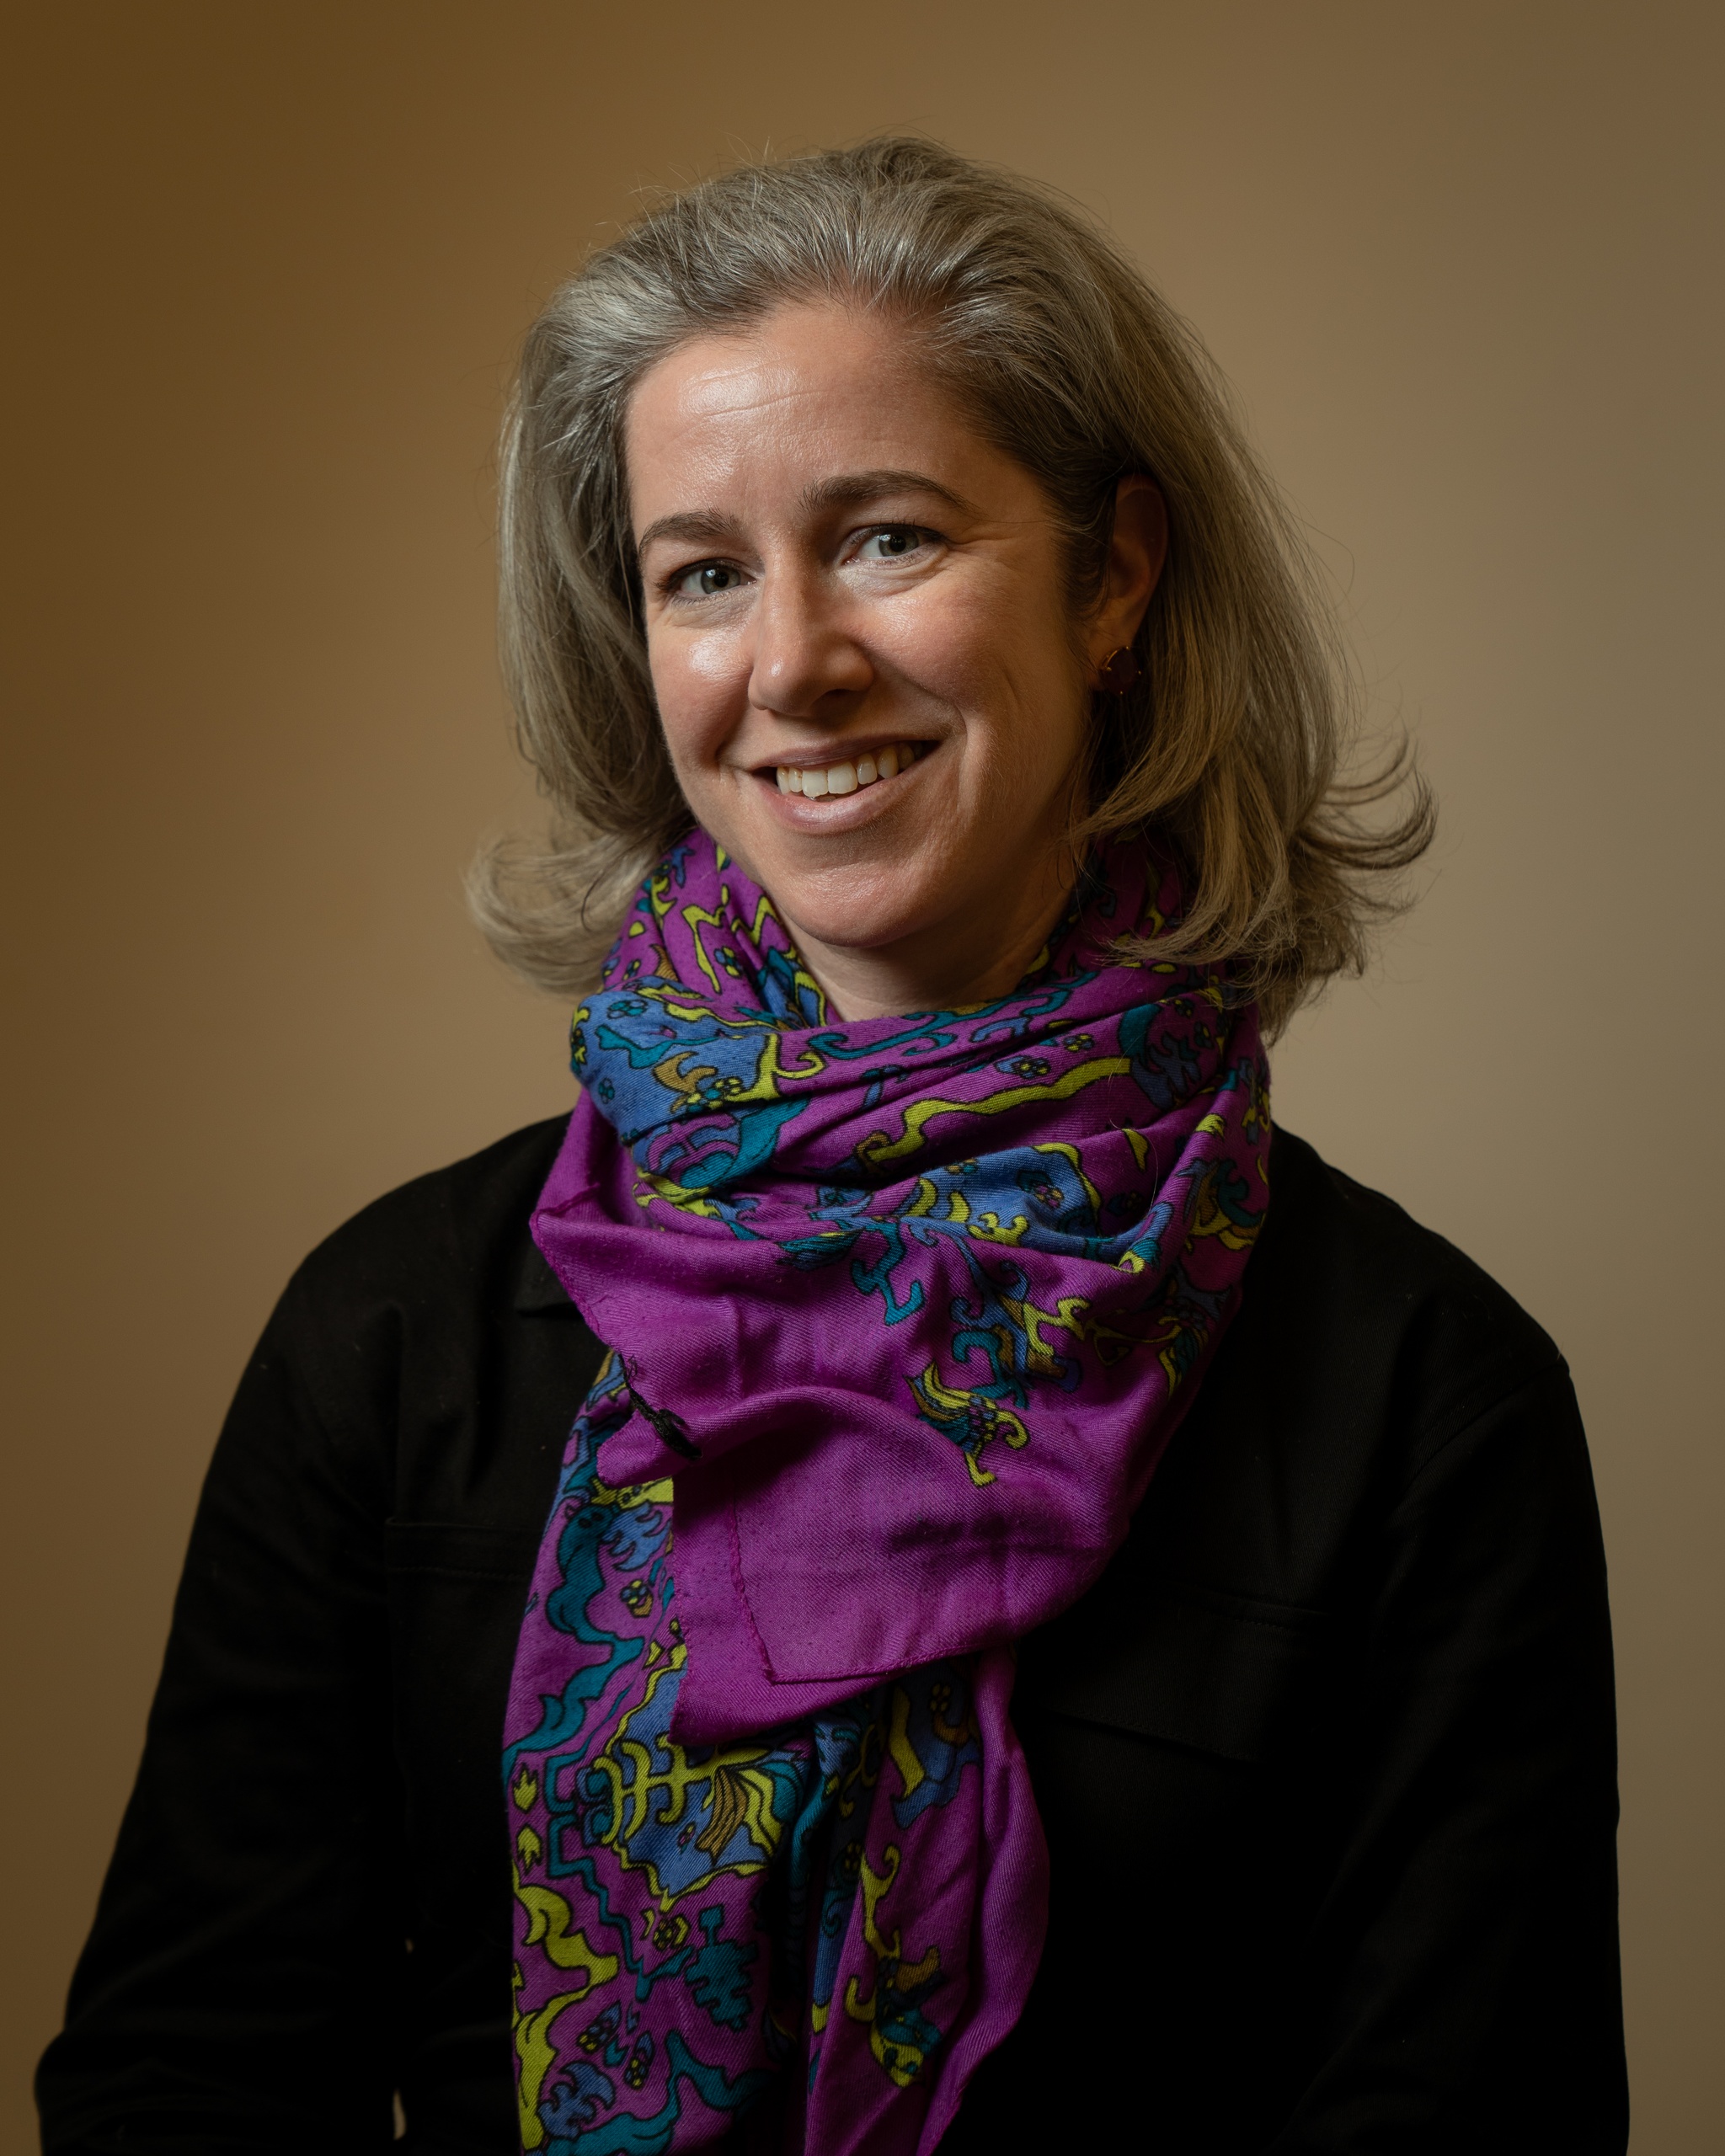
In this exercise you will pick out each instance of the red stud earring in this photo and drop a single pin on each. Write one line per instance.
(1119, 672)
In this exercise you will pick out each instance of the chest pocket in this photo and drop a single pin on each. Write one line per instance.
(456, 1596)
(456, 1551)
(1186, 1664)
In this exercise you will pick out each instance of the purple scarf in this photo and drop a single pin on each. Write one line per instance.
(908, 1309)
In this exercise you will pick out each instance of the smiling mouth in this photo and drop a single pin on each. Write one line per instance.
(815, 781)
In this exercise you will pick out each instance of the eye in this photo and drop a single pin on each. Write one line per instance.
(707, 579)
(893, 543)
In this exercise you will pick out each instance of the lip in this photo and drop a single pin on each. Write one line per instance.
(843, 812)
(821, 755)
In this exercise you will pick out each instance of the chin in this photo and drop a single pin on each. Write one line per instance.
(854, 909)
(852, 928)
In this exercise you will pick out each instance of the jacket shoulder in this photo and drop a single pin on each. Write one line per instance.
(443, 1233)
(1346, 1276)
(387, 1325)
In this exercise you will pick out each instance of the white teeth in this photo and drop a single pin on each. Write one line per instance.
(846, 778)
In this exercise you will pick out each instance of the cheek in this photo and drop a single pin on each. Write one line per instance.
(950, 641)
(998, 651)
(699, 692)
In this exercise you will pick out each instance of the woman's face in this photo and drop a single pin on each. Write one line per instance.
(872, 689)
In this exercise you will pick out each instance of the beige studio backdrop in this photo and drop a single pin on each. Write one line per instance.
(270, 261)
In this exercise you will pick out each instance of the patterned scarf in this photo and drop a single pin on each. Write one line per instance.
(908, 1309)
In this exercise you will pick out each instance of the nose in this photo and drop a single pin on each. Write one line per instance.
(806, 662)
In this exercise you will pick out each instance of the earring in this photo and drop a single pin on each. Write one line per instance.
(1119, 672)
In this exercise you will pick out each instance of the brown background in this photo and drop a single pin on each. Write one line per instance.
(1463, 262)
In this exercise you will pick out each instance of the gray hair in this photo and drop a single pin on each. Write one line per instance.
(1060, 354)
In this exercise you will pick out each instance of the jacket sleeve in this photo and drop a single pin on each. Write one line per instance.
(236, 1989)
(1464, 1966)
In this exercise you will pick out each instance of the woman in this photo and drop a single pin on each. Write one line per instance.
(1062, 1622)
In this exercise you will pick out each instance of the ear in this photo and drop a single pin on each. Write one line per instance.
(1136, 554)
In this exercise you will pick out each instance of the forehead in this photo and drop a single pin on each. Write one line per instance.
(810, 392)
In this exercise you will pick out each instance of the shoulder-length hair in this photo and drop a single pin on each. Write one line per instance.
(1231, 748)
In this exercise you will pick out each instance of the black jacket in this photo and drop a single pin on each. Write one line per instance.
(1326, 1759)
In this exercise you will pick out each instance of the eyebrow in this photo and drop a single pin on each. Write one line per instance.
(855, 487)
(697, 525)
(848, 490)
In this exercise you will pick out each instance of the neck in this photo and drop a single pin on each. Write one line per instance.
(949, 967)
